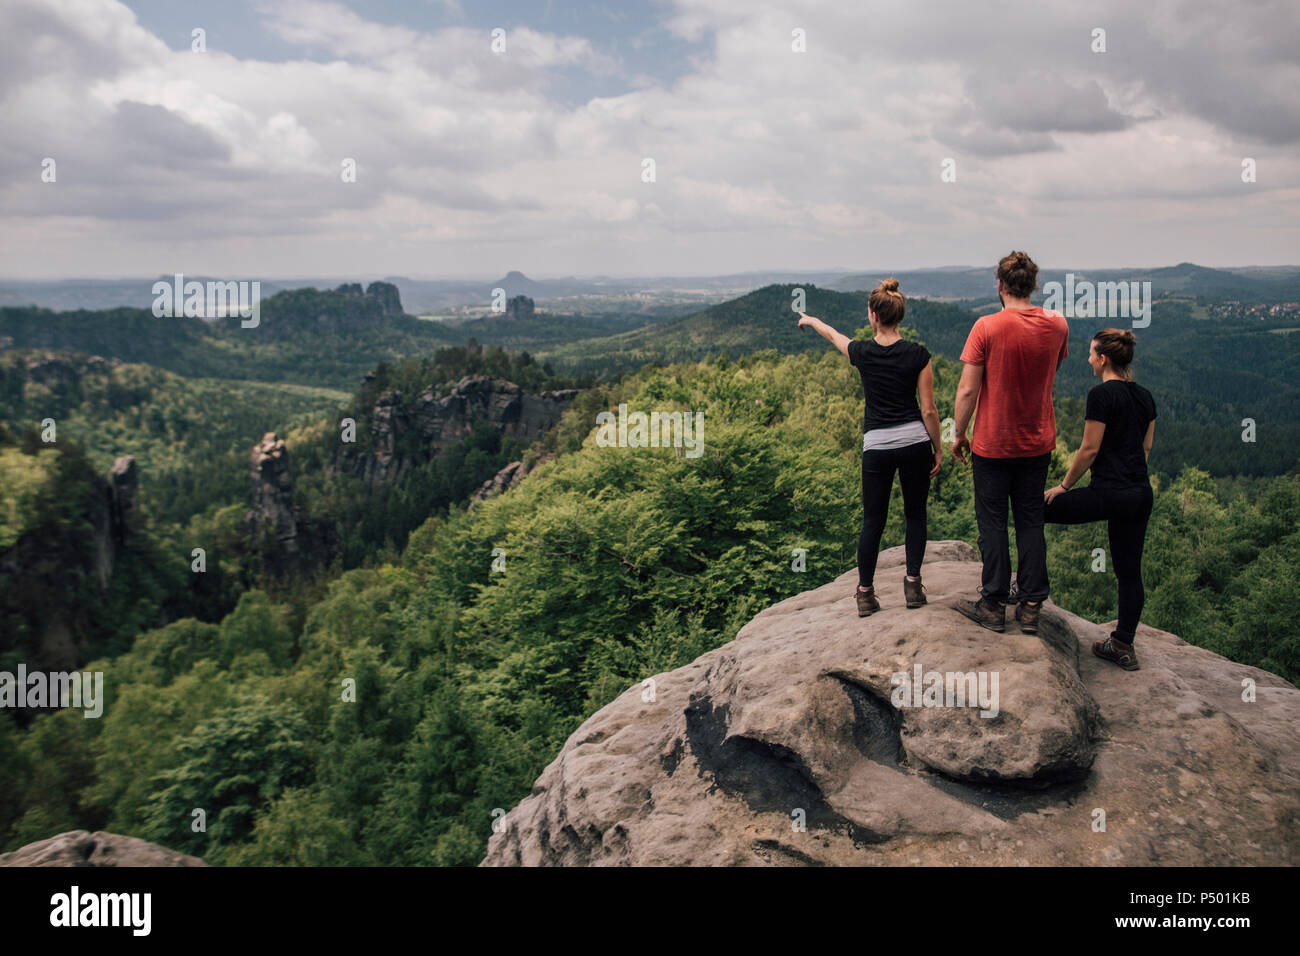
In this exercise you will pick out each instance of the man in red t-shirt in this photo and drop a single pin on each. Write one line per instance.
(1011, 358)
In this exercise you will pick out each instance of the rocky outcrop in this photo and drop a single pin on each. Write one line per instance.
(272, 493)
(520, 307)
(82, 848)
(126, 494)
(809, 739)
(405, 433)
(389, 299)
(44, 573)
(61, 370)
(505, 479)
(502, 481)
(308, 315)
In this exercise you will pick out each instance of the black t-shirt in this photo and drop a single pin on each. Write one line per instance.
(1126, 409)
(889, 374)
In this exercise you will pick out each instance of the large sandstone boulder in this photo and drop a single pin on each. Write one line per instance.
(802, 742)
(81, 848)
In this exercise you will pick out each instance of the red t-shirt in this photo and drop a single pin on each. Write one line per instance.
(1020, 350)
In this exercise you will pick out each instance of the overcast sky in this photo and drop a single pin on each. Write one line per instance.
(472, 162)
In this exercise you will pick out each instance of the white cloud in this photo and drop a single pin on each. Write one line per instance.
(472, 161)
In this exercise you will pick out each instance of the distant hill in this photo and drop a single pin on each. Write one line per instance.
(759, 320)
(1262, 283)
(1281, 284)
(305, 336)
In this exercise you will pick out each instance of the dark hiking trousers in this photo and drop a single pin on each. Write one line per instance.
(1126, 511)
(913, 465)
(1022, 482)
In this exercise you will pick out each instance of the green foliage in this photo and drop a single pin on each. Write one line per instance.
(255, 626)
(233, 765)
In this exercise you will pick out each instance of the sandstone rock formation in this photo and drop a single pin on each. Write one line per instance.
(786, 747)
(44, 573)
(81, 848)
(126, 490)
(272, 492)
(389, 299)
(442, 416)
(502, 481)
(505, 479)
(520, 307)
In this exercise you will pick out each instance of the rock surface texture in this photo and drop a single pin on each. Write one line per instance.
(82, 848)
(786, 747)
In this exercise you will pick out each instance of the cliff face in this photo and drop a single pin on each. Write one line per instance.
(520, 308)
(403, 432)
(42, 572)
(345, 312)
(272, 492)
(396, 435)
(813, 739)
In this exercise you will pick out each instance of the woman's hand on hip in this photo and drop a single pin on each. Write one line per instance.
(1052, 493)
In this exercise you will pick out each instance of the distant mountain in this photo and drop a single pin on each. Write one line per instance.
(1260, 285)
(304, 336)
(1263, 284)
(758, 320)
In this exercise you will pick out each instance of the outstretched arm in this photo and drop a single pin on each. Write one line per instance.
(841, 342)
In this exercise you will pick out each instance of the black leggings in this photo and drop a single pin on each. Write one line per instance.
(1126, 512)
(913, 465)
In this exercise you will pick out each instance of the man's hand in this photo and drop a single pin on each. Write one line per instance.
(959, 449)
(806, 320)
(938, 460)
(1052, 493)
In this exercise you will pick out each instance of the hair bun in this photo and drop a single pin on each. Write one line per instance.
(1128, 337)
(888, 285)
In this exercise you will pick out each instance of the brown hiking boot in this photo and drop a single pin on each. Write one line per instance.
(913, 592)
(1117, 652)
(867, 603)
(1027, 616)
(984, 612)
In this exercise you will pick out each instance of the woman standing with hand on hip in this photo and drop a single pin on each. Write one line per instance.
(1117, 437)
(900, 435)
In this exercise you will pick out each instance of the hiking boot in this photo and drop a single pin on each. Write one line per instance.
(1117, 652)
(984, 612)
(913, 592)
(867, 603)
(1027, 616)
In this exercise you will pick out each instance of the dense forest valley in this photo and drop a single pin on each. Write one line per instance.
(322, 623)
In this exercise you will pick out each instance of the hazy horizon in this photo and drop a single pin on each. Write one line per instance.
(544, 276)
